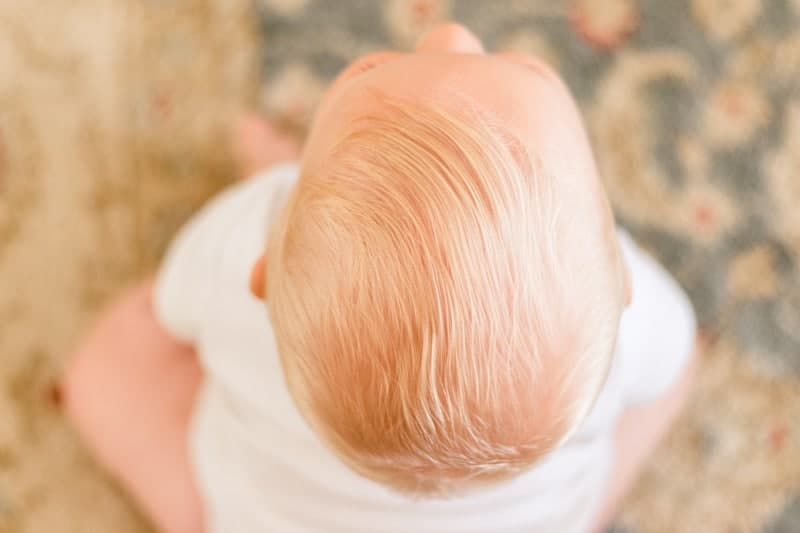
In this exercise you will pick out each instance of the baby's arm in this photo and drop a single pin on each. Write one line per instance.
(657, 343)
(130, 389)
(638, 433)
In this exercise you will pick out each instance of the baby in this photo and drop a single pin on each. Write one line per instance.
(446, 345)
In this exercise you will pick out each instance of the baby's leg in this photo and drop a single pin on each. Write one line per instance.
(130, 391)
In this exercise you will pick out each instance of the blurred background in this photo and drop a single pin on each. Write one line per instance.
(114, 128)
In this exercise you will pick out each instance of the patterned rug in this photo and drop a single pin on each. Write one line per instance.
(113, 121)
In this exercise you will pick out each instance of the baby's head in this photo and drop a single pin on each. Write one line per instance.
(444, 283)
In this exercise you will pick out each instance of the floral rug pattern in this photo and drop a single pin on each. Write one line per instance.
(113, 128)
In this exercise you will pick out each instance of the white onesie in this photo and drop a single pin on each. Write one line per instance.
(261, 469)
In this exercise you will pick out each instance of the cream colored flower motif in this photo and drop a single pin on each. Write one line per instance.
(293, 94)
(408, 20)
(621, 123)
(604, 23)
(693, 154)
(528, 42)
(752, 273)
(753, 60)
(745, 429)
(783, 173)
(287, 8)
(9, 62)
(20, 143)
(785, 61)
(702, 213)
(735, 112)
(726, 19)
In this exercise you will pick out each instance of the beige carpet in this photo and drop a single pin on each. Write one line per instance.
(113, 120)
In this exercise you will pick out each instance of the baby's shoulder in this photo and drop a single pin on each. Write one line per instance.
(258, 195)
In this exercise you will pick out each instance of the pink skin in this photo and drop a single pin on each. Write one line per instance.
(130, 388)
(258, 145)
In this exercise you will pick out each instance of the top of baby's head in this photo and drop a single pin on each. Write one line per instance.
(444, 310)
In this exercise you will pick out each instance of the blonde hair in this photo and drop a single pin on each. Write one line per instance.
(443, 319)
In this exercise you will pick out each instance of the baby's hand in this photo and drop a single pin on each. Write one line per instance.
(257, 145)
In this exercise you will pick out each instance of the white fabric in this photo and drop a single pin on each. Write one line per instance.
(260, 467)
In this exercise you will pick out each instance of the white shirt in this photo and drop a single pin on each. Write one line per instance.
(259, 466)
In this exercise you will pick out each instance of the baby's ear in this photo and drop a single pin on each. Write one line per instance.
(258, 275)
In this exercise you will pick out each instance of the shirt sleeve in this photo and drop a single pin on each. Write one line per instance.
(191, 273)
(184, 281)
(657, 331)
